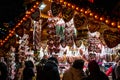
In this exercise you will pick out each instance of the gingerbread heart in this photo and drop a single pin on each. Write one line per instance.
(111, 38)
(67, 14)
(27, 24)
(79, 20)
(93, 26)
(36, 15)
(55, 8)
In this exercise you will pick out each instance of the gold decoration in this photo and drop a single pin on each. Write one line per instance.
(93, 26)
(56, 8)
(111, 38)
(67, 14)
(79, 20)
(36, 15)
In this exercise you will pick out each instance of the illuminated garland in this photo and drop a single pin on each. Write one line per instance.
(78, 9)
(27, 15)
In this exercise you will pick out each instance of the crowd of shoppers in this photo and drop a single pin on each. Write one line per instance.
(48, 69)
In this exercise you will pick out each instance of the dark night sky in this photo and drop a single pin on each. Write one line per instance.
(9, 9)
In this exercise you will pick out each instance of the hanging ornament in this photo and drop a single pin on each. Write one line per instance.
(27, 24)
(93, 26)
(79, 20)
(67, 13)
(36, 15)
(55, 8)
(111, 38)
(82, 34)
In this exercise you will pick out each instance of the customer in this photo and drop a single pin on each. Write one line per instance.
(118, 72)
(3, 71)
(116, 69)
(95, 73)
(75, 72)
(28, 72)
(40, 71)
(50, 69)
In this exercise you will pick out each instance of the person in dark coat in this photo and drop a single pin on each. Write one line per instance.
(118, 73)
(3, 71)
(95, 73)
(51, 69)
(40, 73)
(28, 72)
(116, 69)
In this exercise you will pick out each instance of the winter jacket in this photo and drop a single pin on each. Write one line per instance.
(3, 71)
(50, 71)
(73, 74)
(98, 76)
(28, 74)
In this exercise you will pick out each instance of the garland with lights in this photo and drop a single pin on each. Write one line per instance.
(27, 15)
(78, 9)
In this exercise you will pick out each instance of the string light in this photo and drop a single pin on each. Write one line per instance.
(6, 39)
(3, 41)
(69, 4)
(91, 14)
(28, 12)
(82, 10)
(96, 17)
(24, 19)
(17, 26)
(34, 6)
(118, 24)
(77, 8)
(65, 3)
(32, 10)
(101, 18)
(107, 21)
(73, 7)
(113, 24)
(61, 1)
(37, 3)
(12, 32)
(21, 21)
(26, 16)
